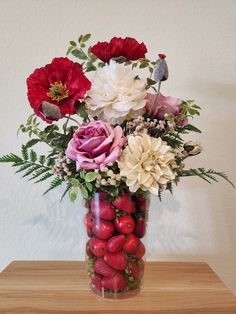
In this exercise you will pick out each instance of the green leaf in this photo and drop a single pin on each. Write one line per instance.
(69, 50)
(84, 191)
(32, 142)
(80, 38)
(73, 193)
(90, 68)
(86, 37)
(73, 43)
(150, 81)
(78, 53)
(89, 186)
(192, 128)
(74, 182)
(90, 176)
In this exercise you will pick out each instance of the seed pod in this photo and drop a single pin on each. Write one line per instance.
(161, 72)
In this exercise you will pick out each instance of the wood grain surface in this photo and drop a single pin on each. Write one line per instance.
(62, 287)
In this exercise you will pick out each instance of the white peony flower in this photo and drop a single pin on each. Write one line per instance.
(116, 94)
(146, 163)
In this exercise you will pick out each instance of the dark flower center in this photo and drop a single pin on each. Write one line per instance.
(58, 91)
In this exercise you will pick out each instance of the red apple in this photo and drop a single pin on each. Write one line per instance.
(116, 260)
(141, 251)
(124, 202)
(115, 243)
(140, 227)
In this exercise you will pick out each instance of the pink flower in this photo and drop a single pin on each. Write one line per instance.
(95, 144)
(160, 106)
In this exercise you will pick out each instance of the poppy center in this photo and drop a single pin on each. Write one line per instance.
(58, 91)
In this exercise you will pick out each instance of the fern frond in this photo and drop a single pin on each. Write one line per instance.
(24, 167)
(42, 159)
(206, 175)
(24, 152)
(31, 170)
(11, 158)
(33, 156)
(38, 173)
(55, 183)
(50, 162)
(45, 177)
(65, 192)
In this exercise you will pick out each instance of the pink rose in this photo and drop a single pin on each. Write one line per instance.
(160, 106)
(95, 144)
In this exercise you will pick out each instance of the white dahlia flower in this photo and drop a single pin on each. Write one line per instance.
(146, 163)
(116, 94)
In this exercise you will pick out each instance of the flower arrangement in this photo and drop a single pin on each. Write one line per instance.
(119, 139)
(130, 138)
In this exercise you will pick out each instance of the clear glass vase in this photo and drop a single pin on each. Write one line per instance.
(115, 251)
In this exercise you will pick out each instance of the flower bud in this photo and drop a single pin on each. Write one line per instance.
(193, 148)
(161, 72)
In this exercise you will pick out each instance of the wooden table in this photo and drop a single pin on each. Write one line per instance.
(61, 287)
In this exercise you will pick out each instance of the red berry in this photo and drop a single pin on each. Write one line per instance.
(125, 203)
(88, 220)
(141, 251)
(102, 268)
(103, 229)
(125, 224)
(116, 260)
(98, 246)
(116, 283)
(140, 227)
(131, 244)
(115, 243)
(102, 209)
(96, 281)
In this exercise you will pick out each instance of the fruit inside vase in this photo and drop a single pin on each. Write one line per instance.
(115, 251)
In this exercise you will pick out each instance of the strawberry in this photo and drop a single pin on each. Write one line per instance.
(102, 209)
(90, 232)
(125, 203)
(102, 268)
(88, 251)
(131, 244)
(103, 229)
(98, 246)
(115, 243)
(125, 224)
(116, 260)
(116, 283)
(96, 281)
(141, 251)
(134, 269)
(140, 227)
(89, 220)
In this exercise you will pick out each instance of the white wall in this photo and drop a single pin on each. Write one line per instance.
(198, 222)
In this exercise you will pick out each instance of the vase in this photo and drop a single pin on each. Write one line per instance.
(115, 250)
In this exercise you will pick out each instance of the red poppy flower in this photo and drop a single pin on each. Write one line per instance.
(54, 89)
(127, 48)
